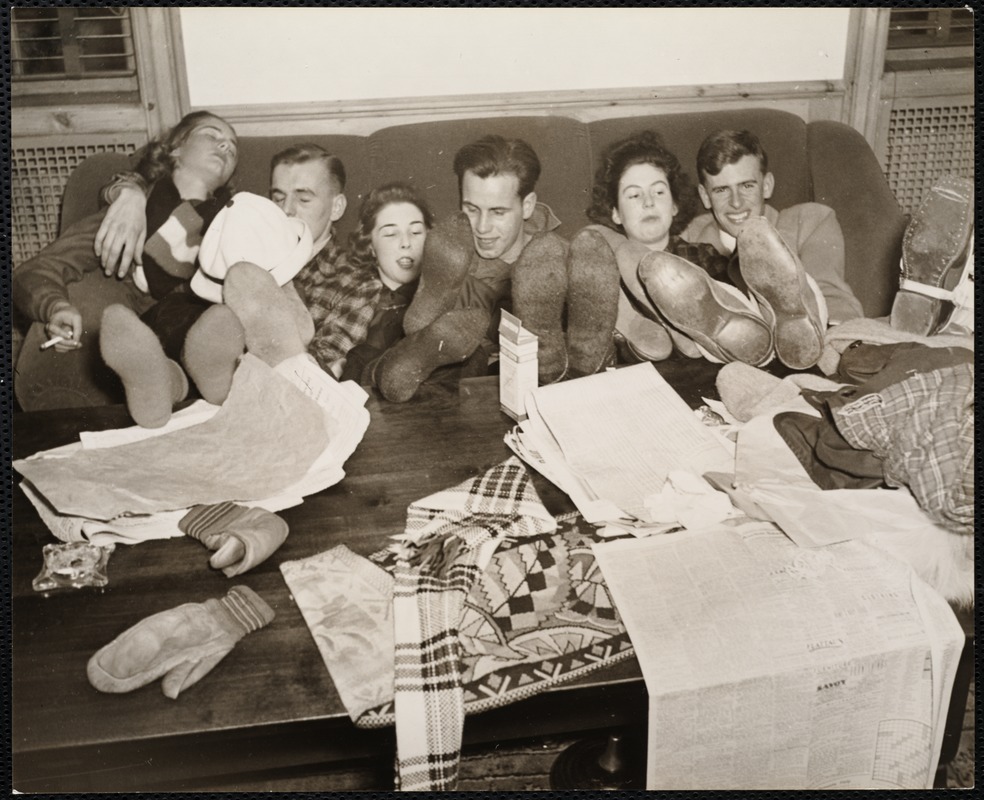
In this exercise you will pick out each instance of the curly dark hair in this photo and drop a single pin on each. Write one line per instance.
(644, 147)
(359, 250)
(156, 161)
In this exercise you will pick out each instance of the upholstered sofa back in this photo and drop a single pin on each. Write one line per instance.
(826, 162)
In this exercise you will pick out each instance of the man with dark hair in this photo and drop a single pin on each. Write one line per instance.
(735, 185)
(500, 249)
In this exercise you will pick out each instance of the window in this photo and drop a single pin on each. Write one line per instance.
(71, 56)
(924, 38)
(74, 43)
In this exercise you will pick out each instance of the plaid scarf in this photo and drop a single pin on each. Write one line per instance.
(451, 537)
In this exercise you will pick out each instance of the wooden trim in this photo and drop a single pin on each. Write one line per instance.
(365, 116)
(103, 118)
(867, 37)
(929, 83)
(158, 57)
(34, 88)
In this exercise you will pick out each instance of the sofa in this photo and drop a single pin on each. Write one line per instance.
(822, 161)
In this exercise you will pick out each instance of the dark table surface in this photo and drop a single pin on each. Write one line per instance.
(270, 704)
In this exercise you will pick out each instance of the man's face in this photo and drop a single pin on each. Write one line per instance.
(307, 191)
(737, 193)
(496, 213)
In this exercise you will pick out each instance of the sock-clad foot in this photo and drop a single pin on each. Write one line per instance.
(778, 281)
(264, 311)
(302, 317)
(709, 312)
(451, 338)
(153, 383)
(539, 287)
(211, 352)
(447, 253)
(592, 303)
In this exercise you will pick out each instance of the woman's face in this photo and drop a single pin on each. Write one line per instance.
(210, 151)
(645, 206)
(398, 242)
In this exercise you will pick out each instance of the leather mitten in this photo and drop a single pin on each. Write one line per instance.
(183, 643)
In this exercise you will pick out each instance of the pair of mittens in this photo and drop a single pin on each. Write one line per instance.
(239, 537)
(183, 643)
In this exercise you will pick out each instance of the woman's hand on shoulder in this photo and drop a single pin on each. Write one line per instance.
(120, 239)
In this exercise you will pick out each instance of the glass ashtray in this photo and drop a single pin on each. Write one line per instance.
(73, 565)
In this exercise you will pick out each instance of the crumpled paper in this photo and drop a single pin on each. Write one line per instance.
(263, 439)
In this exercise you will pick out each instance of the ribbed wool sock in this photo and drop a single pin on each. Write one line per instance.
(265, 312)
(539, 288)
(211, 352)
(447, 253)
(592, 304)
(449, 339)
(153, 383)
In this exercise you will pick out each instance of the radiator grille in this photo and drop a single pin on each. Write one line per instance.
(924, 142)
(39, 169)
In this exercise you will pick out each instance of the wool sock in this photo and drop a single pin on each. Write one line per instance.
(448, 251)
(183, 643)
(153, 383)
(240, 537)
(449, 339)
(211, 352)
(539, 287)
(265, 312)
(302, 317)
(592, 303)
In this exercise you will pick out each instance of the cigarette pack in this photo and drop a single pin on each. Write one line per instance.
(517, 365)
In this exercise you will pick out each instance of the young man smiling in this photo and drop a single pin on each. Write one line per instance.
(735, 185)
(787, 267)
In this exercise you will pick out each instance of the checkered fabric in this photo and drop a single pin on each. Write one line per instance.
(450, 538)
(923, 429)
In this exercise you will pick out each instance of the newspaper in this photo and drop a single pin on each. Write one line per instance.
(771, 666)
(611, 440)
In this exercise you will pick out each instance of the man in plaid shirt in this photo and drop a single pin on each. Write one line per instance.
(308, 182)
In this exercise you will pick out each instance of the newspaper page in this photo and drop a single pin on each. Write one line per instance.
(621, 432)
(770, 666)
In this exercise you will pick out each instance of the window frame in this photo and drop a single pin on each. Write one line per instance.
(86, 87)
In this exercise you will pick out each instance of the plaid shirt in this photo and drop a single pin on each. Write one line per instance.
(342, 299)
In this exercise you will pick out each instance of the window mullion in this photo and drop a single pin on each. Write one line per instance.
(67, 25)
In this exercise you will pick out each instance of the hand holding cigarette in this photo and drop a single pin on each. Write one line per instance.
(64, 328)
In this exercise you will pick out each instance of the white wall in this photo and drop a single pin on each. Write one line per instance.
(282, 55)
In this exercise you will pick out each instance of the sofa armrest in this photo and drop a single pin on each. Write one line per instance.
(847, 177)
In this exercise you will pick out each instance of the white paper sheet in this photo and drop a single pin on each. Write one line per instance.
(345, 417)
(619, 433)
(770, 666)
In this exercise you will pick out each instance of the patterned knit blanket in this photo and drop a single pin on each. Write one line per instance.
(467, 611)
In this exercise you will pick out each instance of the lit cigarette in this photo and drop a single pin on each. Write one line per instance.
(52, 342)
